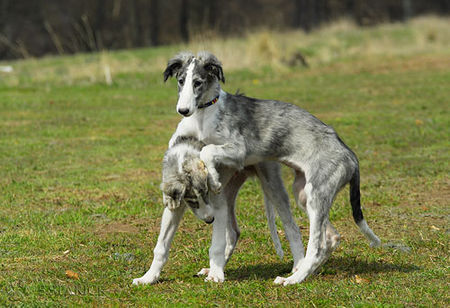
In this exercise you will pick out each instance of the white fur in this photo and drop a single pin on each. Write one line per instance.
(204, 212)
(364, 227)
(200, 123)
(180, 152)
(186, 100)
(169, 224)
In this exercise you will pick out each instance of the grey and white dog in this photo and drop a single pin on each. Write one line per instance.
(185, 185)
(241, 131)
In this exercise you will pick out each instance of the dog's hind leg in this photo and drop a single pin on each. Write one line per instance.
(317, 206)
(298, 190)
(169, 225)
(320, 190)
(275, 193)
(332, 235)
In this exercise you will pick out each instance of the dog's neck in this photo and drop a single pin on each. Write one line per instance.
(212, 93)
(210, 103)
(201, 124)
(203, 118)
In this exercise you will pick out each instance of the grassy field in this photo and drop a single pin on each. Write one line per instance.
(80, 166)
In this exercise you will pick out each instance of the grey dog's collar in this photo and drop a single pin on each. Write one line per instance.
(209, 103)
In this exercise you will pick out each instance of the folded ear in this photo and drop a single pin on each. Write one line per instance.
(173, 193)
(197, 173)
(176, 63)
(212, 65)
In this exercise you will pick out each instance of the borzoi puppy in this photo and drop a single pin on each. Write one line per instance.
(185, 185)
(241, 131)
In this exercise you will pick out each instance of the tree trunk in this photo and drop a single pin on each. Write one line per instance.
(184, 20)
(154, 22)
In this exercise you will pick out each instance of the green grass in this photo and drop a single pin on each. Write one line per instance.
(80, 166)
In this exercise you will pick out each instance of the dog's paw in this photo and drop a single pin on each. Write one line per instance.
(215, 187)
(203, 272)
(214, 184)
(375, 243)
(170, 202)
(215, 277)
(145, 280)
(285, 281)
(279, 280)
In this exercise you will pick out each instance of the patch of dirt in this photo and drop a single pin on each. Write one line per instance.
(426, 195)
(141, 174)
(115, 227)
(129, 227)
(65, 196)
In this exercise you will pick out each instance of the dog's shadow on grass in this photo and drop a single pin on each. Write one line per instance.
(342, 266)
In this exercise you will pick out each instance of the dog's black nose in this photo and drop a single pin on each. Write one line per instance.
(210, 221)
(183, 111)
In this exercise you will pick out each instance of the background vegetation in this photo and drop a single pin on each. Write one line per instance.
(82, 138)
(35, 28)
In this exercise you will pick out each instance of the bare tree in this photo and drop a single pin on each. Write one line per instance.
(184, 20)
(154, 26)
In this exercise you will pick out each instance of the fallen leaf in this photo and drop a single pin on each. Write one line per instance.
(419, 122)
(360, 279)
(72, 275)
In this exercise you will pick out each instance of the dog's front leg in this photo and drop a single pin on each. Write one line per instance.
(169, 225)
(230, 155)
(217, 258)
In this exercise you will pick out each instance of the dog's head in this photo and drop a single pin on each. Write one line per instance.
(190, 189)
(198, 79)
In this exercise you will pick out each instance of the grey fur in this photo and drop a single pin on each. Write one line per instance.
(207, 73)
(241, 131)
(176, 64)
(184, 178)
(188, 185)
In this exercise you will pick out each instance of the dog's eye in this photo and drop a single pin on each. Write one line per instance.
(193, 204)
(197, 84)
(181, 81)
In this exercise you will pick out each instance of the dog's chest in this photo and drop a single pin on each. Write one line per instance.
(209, 131)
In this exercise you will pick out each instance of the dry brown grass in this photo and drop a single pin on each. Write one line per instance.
(329, 44)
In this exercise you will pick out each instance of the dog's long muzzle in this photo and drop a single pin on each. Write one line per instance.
(204, 212)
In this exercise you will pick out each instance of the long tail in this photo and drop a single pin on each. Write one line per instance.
(355, 200)
(270, 214)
